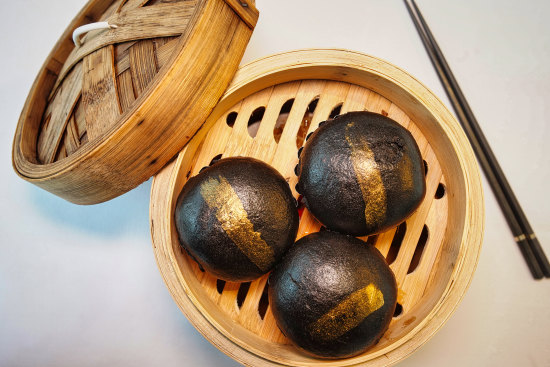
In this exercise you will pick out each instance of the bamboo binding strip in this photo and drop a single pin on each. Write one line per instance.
(104, 116)
(267, 112)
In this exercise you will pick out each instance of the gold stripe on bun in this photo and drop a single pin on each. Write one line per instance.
(348, 314)
(220, 196)
(368, 177)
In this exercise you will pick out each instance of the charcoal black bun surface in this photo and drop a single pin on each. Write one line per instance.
(361, 173)
(333, 295)
(237, 218)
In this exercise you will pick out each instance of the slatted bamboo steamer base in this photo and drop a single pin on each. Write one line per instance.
(433, 255)
(105, 116)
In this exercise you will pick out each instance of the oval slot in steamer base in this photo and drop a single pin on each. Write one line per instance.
(104, 116)
(433, 255)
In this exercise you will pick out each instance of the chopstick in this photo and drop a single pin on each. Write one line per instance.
(517, 221)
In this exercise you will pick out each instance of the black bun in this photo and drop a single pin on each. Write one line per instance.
(361, 173)
(237, 218)
(333, 295)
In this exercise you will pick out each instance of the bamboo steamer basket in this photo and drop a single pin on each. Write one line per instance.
(433, 254)
(105, 116)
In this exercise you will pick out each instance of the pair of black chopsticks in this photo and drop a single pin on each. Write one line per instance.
(519, 225)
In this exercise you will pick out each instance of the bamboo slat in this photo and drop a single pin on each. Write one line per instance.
(322, 83)
(71, 140)
(246, 10)
(99, 92)
(127, 95)
(144, 64)
(61, 108)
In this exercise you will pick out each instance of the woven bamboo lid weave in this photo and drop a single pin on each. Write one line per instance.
(105, 115)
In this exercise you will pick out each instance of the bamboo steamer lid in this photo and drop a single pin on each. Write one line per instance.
(121, 96)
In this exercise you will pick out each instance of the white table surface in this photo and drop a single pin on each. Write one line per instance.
(79, 285)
